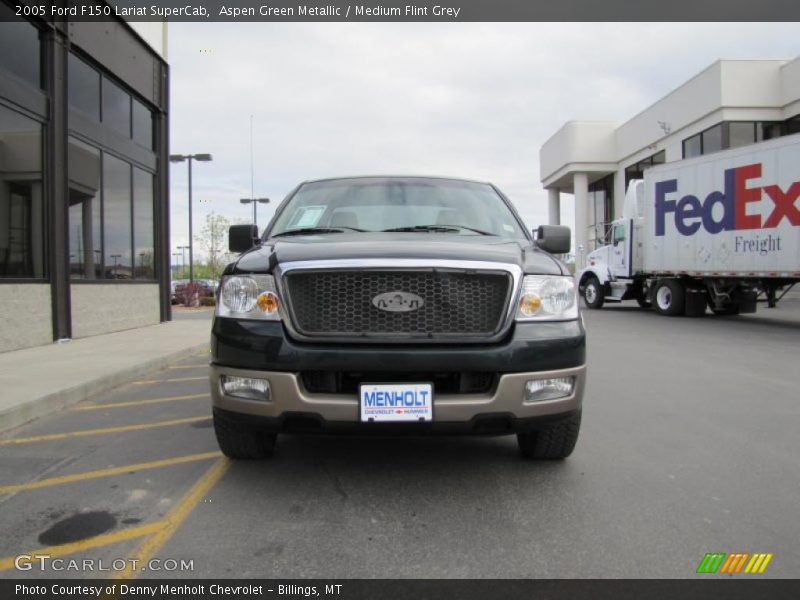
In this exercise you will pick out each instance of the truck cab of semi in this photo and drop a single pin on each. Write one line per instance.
(610, 273)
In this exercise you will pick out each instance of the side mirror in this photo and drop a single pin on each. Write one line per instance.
(555, 239)
(242, 237)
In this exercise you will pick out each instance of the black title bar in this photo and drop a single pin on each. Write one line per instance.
(401, 589)
(451, 11)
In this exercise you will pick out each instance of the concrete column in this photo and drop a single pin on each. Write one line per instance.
(580, 185)
(554, 206)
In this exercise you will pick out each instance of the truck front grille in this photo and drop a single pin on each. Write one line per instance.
(456, 303)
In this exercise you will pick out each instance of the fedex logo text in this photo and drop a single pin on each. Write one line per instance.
(690, 213)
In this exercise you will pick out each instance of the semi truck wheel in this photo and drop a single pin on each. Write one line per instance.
(669, 297)
(593, 293)
(552, 442)
(239, 441)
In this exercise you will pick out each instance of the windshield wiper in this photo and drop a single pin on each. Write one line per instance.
(438, 229)
(312, 230)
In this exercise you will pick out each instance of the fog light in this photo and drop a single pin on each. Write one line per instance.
(245, 387)
(537, 390)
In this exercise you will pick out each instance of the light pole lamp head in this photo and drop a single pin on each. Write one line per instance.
(177, 158)
(203, 157)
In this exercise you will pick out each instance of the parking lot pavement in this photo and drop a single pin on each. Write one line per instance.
(689, 445)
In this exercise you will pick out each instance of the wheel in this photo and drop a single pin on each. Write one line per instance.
(240, 441)
(670, 297)
(553, 441)
(593, 293)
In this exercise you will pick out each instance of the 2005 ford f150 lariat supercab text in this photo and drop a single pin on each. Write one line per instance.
(397, 305)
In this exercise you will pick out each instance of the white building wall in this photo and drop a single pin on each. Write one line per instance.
(584, 142)
(106, 307)
(155, 34)
(698, 96)
(31, 301)
(790, 88)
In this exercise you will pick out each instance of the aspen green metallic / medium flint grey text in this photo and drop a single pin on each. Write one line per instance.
(346, 11)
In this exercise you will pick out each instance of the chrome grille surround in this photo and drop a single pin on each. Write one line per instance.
(446, 272)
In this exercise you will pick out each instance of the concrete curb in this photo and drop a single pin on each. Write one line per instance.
(43, 405)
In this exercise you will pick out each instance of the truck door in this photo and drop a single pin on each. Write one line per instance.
(620, 244)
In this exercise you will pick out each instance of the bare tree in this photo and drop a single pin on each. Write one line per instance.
(213, 240)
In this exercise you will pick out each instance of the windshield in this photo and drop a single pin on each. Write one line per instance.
(397, 204)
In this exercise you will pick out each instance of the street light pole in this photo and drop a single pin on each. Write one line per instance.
(255, 202)
(191, 237)
(176, 158)
(183, 260)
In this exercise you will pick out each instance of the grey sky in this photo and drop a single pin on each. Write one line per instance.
(469, 100)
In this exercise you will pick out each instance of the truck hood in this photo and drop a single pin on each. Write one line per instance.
(264, 258)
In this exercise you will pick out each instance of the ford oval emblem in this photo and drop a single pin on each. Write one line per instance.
(397, 301)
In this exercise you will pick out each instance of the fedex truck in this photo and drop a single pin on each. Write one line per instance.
(718, 232)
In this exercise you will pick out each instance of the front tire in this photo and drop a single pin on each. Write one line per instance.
(240, 441)
(552, 442)
(669, 297)
(593, 293)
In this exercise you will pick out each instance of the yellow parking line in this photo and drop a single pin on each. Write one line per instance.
(176, 516)
(69, 434)
(137, 402)
(111, 471)
(173, 380)
(87, 544)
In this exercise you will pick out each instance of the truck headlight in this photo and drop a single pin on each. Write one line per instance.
(547, 298)
(248, 297)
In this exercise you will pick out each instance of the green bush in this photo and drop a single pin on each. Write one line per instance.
(208, 301)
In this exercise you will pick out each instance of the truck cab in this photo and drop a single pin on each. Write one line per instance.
(611, 270)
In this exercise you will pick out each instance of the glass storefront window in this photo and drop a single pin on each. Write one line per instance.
(712, 139)
(143, 250)
(600, 200)
(85, 236)
(20, 47)
(741, 133)
(22, 218)
(116, 108)
(768, 131)
(117, 241)
(142, 125)
(692, 146)
(84, 87)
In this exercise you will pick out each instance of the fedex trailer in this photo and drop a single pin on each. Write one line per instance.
(720, 231)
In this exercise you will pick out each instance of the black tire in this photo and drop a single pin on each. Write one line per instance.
(593, 293)
(239, 441)
(554, 441)
(729, 310)
(669, 297)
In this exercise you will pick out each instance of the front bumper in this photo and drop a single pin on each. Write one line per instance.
(293, 408)
(262, 349)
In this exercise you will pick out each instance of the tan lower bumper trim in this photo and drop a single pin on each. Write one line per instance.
(287, 394)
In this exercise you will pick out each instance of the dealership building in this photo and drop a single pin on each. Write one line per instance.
(731, 103)
(83, 178)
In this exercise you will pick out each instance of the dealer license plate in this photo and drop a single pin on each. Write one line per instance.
(396, 402)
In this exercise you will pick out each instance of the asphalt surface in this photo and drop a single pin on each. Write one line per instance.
(689, 445)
